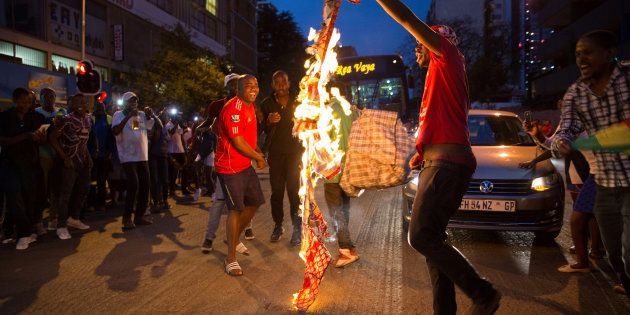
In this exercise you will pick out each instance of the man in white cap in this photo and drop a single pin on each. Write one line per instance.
(218, 201)
(130, 128)
(447, 163)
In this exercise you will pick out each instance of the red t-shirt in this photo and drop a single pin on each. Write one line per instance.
(444, 111)
(236, 119)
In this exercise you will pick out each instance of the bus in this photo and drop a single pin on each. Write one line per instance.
(375, 82)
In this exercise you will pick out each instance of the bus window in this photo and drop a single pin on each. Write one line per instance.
(377, 94)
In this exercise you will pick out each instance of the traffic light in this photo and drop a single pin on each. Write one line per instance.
(88, 78)
(101, 97)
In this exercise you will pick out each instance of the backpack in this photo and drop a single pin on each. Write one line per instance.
(206, 141)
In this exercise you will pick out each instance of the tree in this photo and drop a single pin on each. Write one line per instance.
(281, 46)
(181, 74)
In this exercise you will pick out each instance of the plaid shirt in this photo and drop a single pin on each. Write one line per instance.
(583, 110)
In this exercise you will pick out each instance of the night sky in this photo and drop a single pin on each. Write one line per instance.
(365, 26)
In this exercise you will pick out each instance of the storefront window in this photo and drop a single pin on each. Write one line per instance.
(30, 56)
(6, 48)
(68, 66)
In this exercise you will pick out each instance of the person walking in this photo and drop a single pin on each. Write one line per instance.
(446, 164)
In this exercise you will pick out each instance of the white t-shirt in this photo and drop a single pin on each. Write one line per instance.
(175, 140)
(133, 145)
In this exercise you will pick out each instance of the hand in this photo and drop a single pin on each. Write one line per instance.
(261, 163)
(564, 147)
(148, 111)
(528, 164)
(273, 118)
(414, 163)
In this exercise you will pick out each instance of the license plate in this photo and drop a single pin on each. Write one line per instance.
(488, 205)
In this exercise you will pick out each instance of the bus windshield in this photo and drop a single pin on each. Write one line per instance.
(377, 94)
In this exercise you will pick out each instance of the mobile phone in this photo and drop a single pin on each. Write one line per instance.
(528, 117)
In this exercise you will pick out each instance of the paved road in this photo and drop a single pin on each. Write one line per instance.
(160, 269)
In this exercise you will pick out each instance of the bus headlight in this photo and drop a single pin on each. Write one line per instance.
(545, 183)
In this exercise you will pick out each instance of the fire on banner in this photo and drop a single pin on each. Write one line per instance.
(313, 122)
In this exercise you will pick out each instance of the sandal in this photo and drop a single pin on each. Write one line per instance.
(240, 248)
(233, 269)
(571, 269)
(346, 257)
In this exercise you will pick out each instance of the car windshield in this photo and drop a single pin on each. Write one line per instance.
(498, 130)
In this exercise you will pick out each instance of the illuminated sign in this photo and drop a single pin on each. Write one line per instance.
(359, 67)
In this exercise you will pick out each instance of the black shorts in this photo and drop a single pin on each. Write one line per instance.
(242, 189)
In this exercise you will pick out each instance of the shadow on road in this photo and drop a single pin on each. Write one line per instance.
(125, 263)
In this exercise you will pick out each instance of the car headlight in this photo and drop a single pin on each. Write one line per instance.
(545, 182)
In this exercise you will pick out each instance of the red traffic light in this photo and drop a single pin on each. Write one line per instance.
(101, 97)
(81, 68)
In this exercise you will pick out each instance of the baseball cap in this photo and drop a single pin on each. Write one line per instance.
(447, 32)
(128, 95)
(230, 77)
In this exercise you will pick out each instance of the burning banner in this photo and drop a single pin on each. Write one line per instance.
(321, 158)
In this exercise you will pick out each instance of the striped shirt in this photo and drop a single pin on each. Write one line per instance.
(584, 110)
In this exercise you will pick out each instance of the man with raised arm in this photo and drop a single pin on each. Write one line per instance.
(446, 164)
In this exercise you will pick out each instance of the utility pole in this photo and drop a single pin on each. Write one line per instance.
(82, 29)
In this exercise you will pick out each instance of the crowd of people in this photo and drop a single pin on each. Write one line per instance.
(68, 160)
(60, 163)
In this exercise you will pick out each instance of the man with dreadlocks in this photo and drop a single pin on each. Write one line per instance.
(446, 164)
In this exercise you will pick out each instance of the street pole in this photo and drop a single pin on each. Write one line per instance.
(82, 29)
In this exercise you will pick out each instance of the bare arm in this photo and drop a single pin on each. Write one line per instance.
(407, 19)
(243, 147)
(119, 128)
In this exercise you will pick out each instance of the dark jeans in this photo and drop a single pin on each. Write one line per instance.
(159, 179)
(138, 182)
(612, 210)
(174, 170)
(284, 172)
(73, 189)
(99, 174)
(339, 206)
(19, 185)
(441, 186)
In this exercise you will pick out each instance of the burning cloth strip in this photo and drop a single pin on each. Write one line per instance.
(313, 122)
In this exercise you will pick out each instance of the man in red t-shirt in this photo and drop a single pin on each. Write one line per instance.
(236, 148)
(447, 163)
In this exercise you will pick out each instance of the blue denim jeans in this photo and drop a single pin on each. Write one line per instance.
(612, 210)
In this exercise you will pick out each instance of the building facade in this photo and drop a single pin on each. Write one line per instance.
(559, 25)
(40, 40)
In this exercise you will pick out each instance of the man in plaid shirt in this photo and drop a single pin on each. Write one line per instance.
(598, 99)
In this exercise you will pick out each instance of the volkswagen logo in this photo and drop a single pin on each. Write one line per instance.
(486, 187)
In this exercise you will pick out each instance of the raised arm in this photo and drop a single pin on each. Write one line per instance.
(418, 29)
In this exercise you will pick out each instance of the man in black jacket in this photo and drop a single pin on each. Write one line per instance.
(284, 154)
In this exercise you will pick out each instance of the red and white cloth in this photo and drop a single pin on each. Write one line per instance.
(379, 145)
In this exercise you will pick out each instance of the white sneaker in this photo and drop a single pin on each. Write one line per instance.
(197, 194)
(52, 225)
(63, 234)
(77, 224)
(23, 243)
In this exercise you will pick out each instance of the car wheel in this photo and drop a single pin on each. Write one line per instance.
(547, 235)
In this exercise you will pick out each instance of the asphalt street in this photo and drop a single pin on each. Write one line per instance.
(160, 269)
